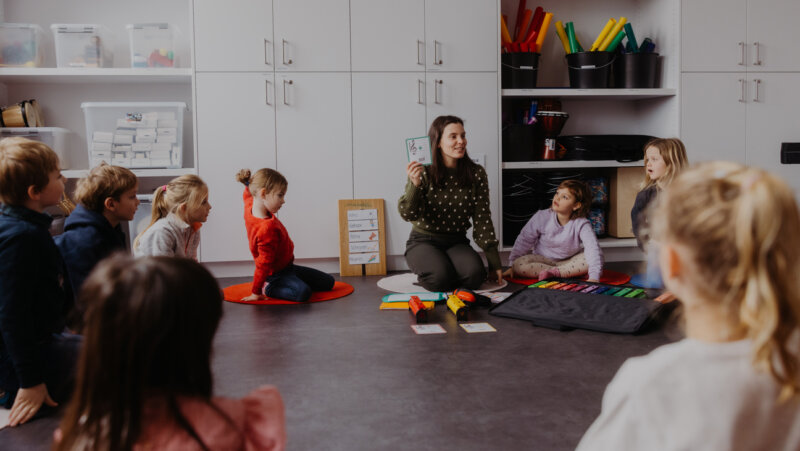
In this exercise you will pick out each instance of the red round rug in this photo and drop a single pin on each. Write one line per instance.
(609, 277)
(235, 293)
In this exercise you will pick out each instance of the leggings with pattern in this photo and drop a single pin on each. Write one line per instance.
(529, 266)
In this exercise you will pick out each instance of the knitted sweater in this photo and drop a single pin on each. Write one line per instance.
(269, 242)
(171, 237)
(639, 212)
(448, 209)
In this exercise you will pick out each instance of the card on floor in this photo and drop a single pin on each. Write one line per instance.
(477, 327)
(424, 329)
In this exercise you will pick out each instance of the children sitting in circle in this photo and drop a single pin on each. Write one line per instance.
(179, 210)
(144, 379)
(276, 276)
(729, 241)
(550, 243)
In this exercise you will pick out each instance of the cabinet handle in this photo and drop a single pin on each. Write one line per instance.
(286, 82)
(420, 60)
(266, 93)
(757, 61)
(266, 52)
(420, 92)
(742, 83)
(436, 60)
(436, 85)
(741, 60)
(756, 83)
(283, 50)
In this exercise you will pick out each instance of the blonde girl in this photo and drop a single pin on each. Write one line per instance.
(276, 275)
(179, 209)
(728, 238)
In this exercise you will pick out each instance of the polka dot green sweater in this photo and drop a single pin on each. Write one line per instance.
(447, 210)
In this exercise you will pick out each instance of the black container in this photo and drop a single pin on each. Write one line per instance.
(522, 142)
(635, 70)
(520, 202)
(589, 70)
(520, 70)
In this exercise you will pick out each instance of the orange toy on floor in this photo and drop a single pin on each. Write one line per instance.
(235, 293)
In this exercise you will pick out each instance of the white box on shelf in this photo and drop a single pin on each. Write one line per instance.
(152, 45)
(21, 45)
(112, 117)
(55, 137)
(82, 45)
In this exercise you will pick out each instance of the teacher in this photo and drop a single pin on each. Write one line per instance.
(439, 202)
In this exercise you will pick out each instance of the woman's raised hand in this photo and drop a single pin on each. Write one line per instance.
(414, 171)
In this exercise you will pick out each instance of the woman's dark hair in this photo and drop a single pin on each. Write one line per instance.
(465, 167)
(150, 324)
(581, 192)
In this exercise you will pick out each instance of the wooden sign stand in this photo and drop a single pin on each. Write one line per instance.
(362, 237)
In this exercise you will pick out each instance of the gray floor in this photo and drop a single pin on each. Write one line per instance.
(357, 378)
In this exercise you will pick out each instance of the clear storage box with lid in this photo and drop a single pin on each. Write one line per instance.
(54, 137)
(152, 45)
(20, 45)
(135, 134)
(82, 45)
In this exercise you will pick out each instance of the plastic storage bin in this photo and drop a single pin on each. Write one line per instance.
(54, 137)
(135, 134)
(82, 45)
(152, 45)
(20, 45)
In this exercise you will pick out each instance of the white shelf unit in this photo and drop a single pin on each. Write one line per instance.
(604, 111)
(60, 91)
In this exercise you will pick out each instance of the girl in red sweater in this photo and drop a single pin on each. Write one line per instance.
(276, 275)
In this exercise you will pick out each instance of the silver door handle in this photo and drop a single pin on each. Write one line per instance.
(741, 60)
(436, 60)
(286, 82)
(266, 94)
(283, 50)
(756, 83)
(420, 59)
(266, 52)
(757, 58)
(420, 92)
(742, 82)
(436, 85)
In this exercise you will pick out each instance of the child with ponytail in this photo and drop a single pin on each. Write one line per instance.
(728, 239)
(276, 275)
(179, 209)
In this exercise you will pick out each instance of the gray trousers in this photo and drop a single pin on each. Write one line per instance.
(444, 263)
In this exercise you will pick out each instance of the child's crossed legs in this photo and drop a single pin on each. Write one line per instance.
(537, 266)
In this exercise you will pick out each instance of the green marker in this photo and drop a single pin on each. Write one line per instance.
(611, 291)
(613, 46)
(632, 45)
(634, 293)
(622, 292)
(573, 43)
(538, 284)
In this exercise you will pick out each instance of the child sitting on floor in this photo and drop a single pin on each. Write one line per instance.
(144, 379)
(276, 275)
(550, 243)
(37, 356)
(729, 241)
(92, 232)
(179, 210)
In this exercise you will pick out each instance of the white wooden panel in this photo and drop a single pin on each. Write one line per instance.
(388, 35)
(233, 35)
(462, 35)
(711, 31)
(316, 35)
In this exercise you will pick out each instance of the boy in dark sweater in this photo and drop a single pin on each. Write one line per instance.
(37, 358)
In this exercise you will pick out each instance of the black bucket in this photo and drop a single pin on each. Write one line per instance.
(635, 70)
(589, 70)
(522, 142)
(520, 70)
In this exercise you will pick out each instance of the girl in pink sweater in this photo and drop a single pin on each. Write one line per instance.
(144, 376)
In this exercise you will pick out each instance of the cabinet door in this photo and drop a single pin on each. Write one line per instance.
(714, 35)
(233, 36)
(461, 35)
(379, 154)
(772, 34)
(388, 35)
(312, 35)
(713, 116)
(316, 157)
(235, 130)
(772, 120)
(473, 98)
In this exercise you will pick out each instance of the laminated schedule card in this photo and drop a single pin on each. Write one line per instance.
(419, 150)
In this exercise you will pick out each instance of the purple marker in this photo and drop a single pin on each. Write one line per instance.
(590, 288)
(578, 288)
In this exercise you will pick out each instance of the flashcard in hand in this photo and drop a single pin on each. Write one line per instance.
(419, 150)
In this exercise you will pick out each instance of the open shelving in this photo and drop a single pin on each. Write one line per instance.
(61, 75)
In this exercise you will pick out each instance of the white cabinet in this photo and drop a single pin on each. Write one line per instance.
(314, 143)
(379, 157)
(226, 144)
(387, 35)
(312, 35)
(773, 34)
(461, 35)
(233, 36)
